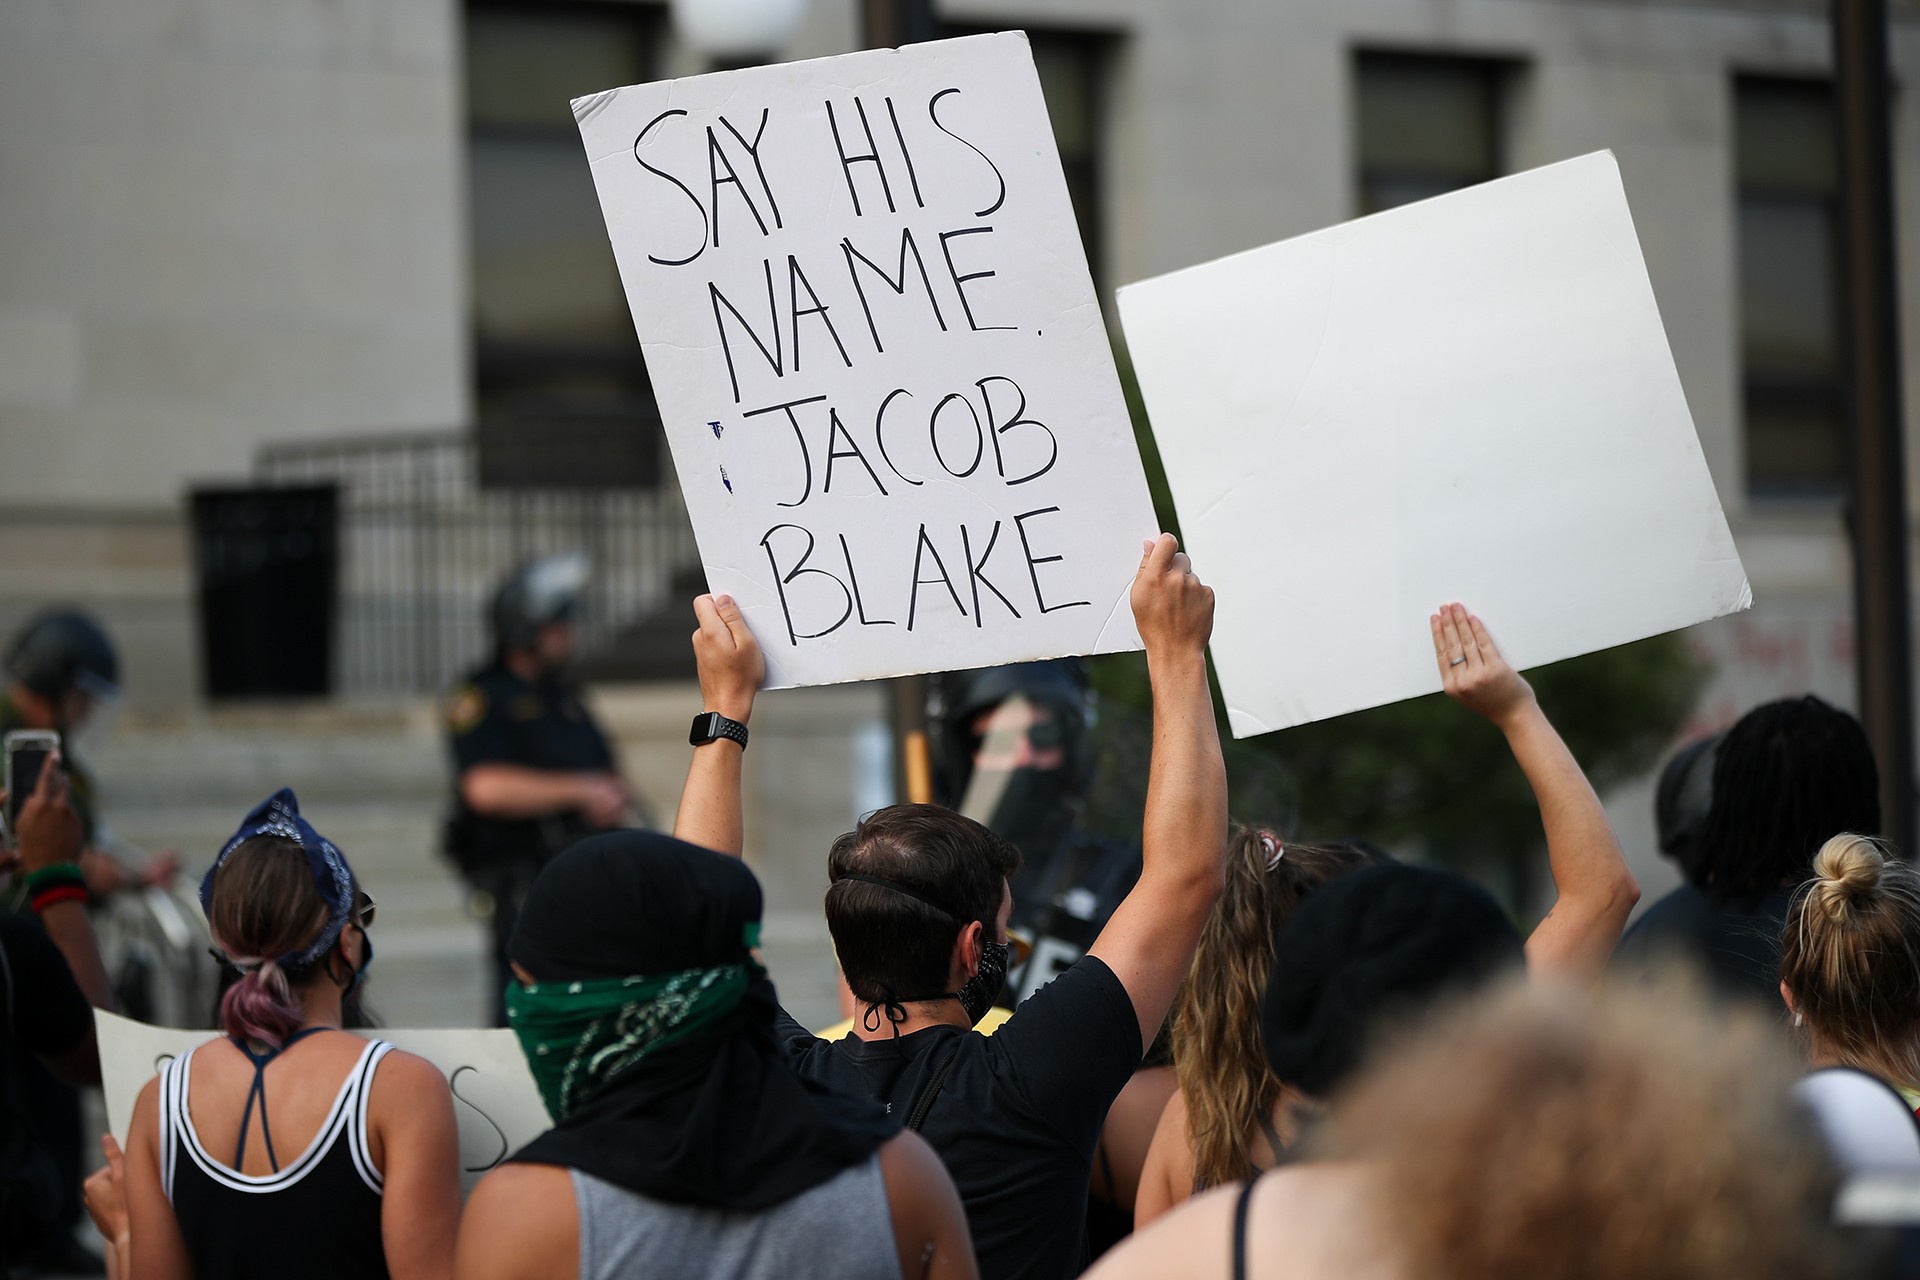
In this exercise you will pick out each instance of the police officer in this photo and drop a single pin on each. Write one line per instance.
(534, 772)
(1013, 750)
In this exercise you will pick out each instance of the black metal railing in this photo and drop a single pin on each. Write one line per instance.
(422, 545)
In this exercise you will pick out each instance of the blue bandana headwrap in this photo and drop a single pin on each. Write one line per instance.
(279, 815)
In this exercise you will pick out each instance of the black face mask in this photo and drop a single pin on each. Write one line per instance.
(978, 993)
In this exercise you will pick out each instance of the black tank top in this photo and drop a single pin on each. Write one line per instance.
(318, 1216)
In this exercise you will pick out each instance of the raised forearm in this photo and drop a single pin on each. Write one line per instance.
(71, 930)
(710, 805)
(1184, 833)
(1595, 890)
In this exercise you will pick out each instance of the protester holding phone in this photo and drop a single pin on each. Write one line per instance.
(62, 674)
(49, 973)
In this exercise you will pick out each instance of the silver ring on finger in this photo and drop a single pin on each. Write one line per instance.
(1456, 660)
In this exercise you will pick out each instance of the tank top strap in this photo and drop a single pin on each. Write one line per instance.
(259, 1092)
(173, 1095)
(1240, 1207)
(360, 1096)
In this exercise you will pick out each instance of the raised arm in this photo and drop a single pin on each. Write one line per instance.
(731, 670)
(1595, 891)
(51, 839)
(1149, 941)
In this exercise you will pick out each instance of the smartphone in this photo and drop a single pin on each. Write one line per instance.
(27, 752)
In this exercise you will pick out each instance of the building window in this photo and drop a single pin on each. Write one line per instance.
(1427, 125)
(562, 393)
(1787, 170)
(1073, 78)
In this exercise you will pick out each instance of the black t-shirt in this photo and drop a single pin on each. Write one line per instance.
(49, 1015)
(1737, 944)
(1018, 1113)
(498, 718)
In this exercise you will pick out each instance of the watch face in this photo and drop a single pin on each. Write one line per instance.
(706, 728)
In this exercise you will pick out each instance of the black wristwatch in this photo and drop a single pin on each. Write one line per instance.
(709, 725)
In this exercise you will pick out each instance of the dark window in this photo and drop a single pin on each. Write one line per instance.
(562, 393)
(1073, 79)
(1787, 169)
(1426, 125)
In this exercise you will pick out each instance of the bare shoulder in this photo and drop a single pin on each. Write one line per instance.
(906, 1154)
(1192, 1241)
(521, 1223)
(408, 1091)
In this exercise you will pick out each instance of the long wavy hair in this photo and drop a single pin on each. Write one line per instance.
(1217, 1053)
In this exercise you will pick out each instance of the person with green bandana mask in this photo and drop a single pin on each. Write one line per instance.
(683, 1143)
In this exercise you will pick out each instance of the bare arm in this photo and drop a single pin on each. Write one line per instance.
(1595, 890)
(929, 1226)
(1168, 1177)
(515, 792)
(106, 1197)
(521, 1224)
(51, 835)
(158, 1252)
(731, 669)
(1149, 941)
(412, 1118)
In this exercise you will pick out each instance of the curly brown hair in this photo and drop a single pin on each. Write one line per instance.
(1224, 1076)
(1640, 1135)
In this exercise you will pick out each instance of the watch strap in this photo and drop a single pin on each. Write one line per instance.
(709, 726)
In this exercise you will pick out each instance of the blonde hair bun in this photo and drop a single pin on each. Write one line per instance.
(1847, 873)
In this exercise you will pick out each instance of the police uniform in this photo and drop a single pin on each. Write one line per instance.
(497, 717)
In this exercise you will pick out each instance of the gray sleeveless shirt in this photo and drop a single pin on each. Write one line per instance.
(841, 1228)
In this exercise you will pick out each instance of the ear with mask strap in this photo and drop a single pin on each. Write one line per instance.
(976, 995)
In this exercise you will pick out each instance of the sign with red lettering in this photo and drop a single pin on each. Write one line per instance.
(877, 351)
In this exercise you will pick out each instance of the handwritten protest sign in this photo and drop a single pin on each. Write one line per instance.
(876, 348)
(495, 1100)
(1469, 399)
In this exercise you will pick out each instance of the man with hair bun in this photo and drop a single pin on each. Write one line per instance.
(1787, 776)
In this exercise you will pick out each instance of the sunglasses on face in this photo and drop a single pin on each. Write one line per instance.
(364, 909)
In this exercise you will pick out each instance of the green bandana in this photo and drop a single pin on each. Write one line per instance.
(578, 1035)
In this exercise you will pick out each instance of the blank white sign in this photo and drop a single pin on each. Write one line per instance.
(879, 358)
(1471, 398)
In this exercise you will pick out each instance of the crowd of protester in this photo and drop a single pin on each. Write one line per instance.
(1373, 1072)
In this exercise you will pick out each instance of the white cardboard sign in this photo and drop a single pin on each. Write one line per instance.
(883, 372)
(495, 1101)
(1469, 399)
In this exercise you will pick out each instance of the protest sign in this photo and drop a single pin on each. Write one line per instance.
(878, 356)
(1468, 399)
(495, 1101)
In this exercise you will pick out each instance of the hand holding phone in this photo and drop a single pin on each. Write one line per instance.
(28, 752)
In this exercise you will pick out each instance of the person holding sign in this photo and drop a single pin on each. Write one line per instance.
(683, 1144)
(918, 907)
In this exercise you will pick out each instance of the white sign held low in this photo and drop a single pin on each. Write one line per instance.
(1471, 398)
(877, 352)
(495, 1101)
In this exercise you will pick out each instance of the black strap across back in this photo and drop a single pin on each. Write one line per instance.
(259, 1090)
(1240, 1228)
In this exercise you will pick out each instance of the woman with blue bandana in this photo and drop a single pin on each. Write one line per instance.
(683, 1144)
(290, 1148)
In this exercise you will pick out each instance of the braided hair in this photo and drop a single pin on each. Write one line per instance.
(1789, 775)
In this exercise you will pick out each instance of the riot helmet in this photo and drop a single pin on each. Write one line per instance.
(64, 651)
(534, 596)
